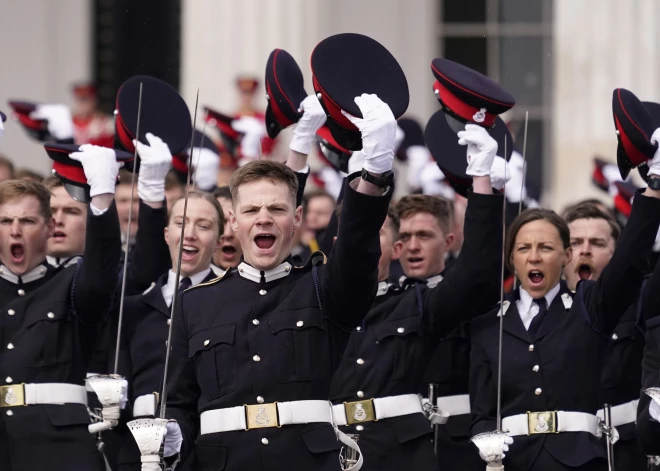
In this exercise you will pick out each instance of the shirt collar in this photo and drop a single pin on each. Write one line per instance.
(36, 273)
(527, 300)
(431, 282)
(168, 289)
(250, 273)
(62, 262)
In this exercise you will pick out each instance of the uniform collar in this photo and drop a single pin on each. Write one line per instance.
(383, 286)
(433, 281)
(35, 274)
(168, 288)
(62, 262)
(526, 299)
(252, 274)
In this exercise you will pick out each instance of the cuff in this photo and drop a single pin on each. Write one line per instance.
(96, 211)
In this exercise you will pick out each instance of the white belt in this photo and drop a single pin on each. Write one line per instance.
(145, 405)
(42, 393)
(551, 422)
(454, 405)
(622, 414)
(377, 409)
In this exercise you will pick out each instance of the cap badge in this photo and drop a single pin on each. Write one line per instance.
(480, 116)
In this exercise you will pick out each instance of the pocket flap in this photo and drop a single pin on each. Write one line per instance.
(51, 313)
(409, 427)
(69, 414)
(210, 456)
(211, 337)
(398, 327)
(625, 330)
(321, 439)
(298, 319)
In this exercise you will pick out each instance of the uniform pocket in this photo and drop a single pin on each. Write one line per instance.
(301, 345)
(210, 457)
(321, 439)
(51, 329)
(215, 360)
(401, 340)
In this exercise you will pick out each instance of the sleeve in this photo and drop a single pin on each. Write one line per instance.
(650, 297)
(349, 282)
(150, 255)
(647, 430)
(302, 183)
(476, 271)
(328, 240)
(183, 391)
(606, 300)
(483, 390)
(95, 281)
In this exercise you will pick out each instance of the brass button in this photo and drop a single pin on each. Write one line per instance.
(531, 348)
(400, 330)
(11, 312)
(50, 315)
(256, 358)
(9, 380)
(262, 292)
(536, 368)
(264, 441)
(206, 343)
(255, 321)
(359, 428)
(538, 391)
(260, 399)
(10, 346)
(21, 292)
(360, 361)
(360, 394)
(300, 323)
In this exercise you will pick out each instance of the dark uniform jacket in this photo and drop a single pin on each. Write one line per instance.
(568, 349)
(47, 330)
(399, 334)
(144, 335)
(279, 339)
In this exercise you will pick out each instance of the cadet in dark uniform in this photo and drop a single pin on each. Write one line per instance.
(48, 321)
(594, 235)
(147, 315)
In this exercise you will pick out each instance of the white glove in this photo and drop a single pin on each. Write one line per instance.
(155, 162)
(505, 448)
(500, 174)
(356, 162)
(253, 130)
(173, 439)
(654, 163)
(654, 410)
(60, 122)
(2, 128)
(378, 128)
(304, 133)
(481, 149)
(418, 158)
(206, 164)
(100, 166)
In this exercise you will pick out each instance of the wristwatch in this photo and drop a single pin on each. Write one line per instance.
(654, 182)
(385, 180)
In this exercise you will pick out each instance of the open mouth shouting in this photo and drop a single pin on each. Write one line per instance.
(228, 250)
(536, 277)
(189, 253)
(17, 251)
(584, 271)
(265, 241)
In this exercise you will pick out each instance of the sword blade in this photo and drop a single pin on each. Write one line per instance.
(128, 234)
(163, 393)
(499, 353)
(522, 184)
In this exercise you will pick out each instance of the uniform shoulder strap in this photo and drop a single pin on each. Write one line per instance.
(214, 281)
(505, 307)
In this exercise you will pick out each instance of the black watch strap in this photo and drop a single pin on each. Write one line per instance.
(654, 182)
(383, 181)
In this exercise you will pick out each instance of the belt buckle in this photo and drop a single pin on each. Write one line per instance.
(541, 422)
(12, 395)
(360, 411)
(261, 416)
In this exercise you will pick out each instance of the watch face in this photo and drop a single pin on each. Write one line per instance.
(654, 183)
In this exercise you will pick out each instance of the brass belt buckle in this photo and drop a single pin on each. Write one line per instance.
(541, 422)
(360, 411)
(261, 416)
(12, 395)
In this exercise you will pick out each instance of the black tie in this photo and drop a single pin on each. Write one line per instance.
(184, 284)
(536, 322)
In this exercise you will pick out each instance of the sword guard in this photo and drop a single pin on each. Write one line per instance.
(491, 447)
(111, 391)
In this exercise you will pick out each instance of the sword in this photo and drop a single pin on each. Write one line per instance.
(108, 388)
(607, 431)
(491, 444)
(522, 184)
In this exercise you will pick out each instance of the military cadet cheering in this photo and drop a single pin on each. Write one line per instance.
(49, 320)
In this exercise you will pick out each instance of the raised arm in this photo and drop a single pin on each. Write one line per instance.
(483, 390)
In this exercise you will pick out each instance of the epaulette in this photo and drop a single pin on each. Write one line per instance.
(567, 299)
(148, 290)
(315, 259)
(210, 282)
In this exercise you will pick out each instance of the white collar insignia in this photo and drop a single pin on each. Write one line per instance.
(252, 274)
